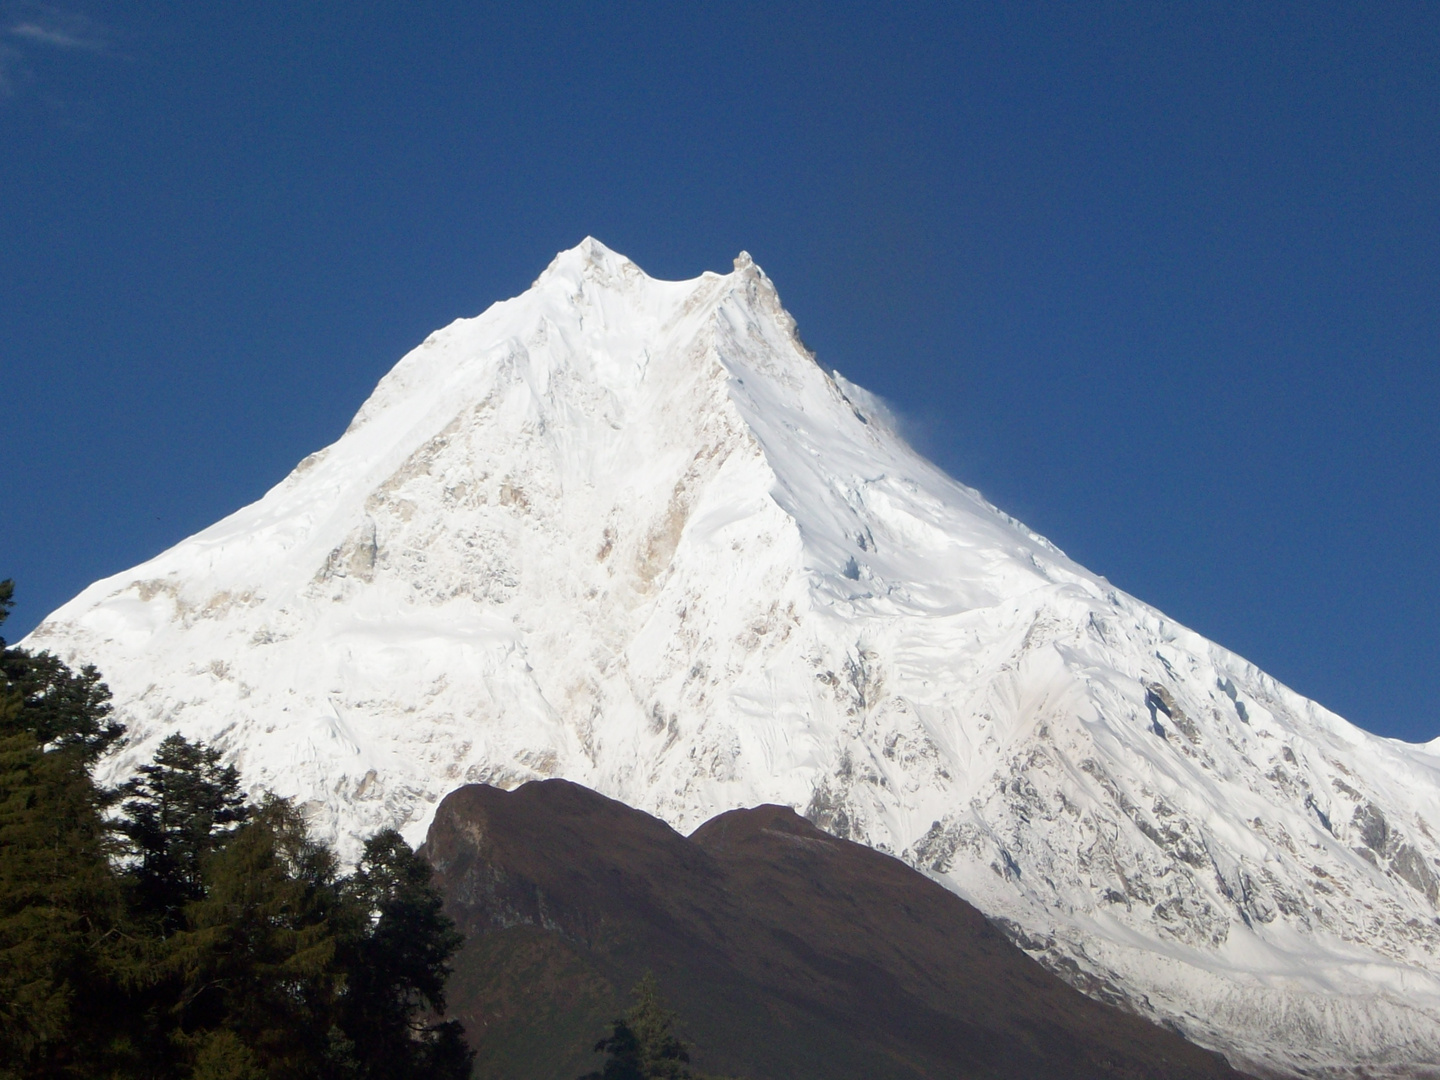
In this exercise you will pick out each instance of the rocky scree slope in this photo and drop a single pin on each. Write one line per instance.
(628, 532)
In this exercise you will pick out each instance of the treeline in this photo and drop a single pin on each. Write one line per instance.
(170, 929)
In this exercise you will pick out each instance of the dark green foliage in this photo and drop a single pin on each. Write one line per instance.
(258, 955)
(643, 1045)
(398, 969)
(178, 810)
(311, 974)
(59, 901)
(284, 967)
(195, 936)
(60, 709)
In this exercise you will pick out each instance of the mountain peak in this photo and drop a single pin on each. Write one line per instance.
(625, 532)
(590, 259)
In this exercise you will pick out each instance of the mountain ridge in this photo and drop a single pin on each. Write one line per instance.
(630, 533)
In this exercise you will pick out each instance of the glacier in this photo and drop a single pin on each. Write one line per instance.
(630, 533)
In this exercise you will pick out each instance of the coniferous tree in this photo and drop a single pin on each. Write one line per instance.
(61, 709)
(397, 969)
(643, 1045)
(178, 809)
(257, 959)
(59, 901)
(226, 946)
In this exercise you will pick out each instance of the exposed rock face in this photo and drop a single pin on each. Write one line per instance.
(789, 953)
(628, 532)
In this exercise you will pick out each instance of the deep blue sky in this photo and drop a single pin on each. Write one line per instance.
(1161, 280)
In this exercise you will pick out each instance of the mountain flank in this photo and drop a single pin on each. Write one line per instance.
(631, 534)
(789, 953)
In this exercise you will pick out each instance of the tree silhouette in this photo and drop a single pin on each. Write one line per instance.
(179, 809)
(643, 1045)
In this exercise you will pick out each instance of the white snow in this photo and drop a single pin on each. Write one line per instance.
(628, 532)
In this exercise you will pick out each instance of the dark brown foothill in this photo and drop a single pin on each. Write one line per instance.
(789, 954)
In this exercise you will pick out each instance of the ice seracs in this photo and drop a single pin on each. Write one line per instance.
(630, 533)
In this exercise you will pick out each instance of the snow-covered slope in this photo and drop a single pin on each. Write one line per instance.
(627, 532)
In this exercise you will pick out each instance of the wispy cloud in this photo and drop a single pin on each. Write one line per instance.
(13, 71)
(45, 25)
(29, 78)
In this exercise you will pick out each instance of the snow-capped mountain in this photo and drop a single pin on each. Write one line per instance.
(628, 532)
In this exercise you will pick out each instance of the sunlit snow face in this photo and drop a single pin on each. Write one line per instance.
(628, 532)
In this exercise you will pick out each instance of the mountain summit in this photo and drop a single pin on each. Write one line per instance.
(629, 533)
